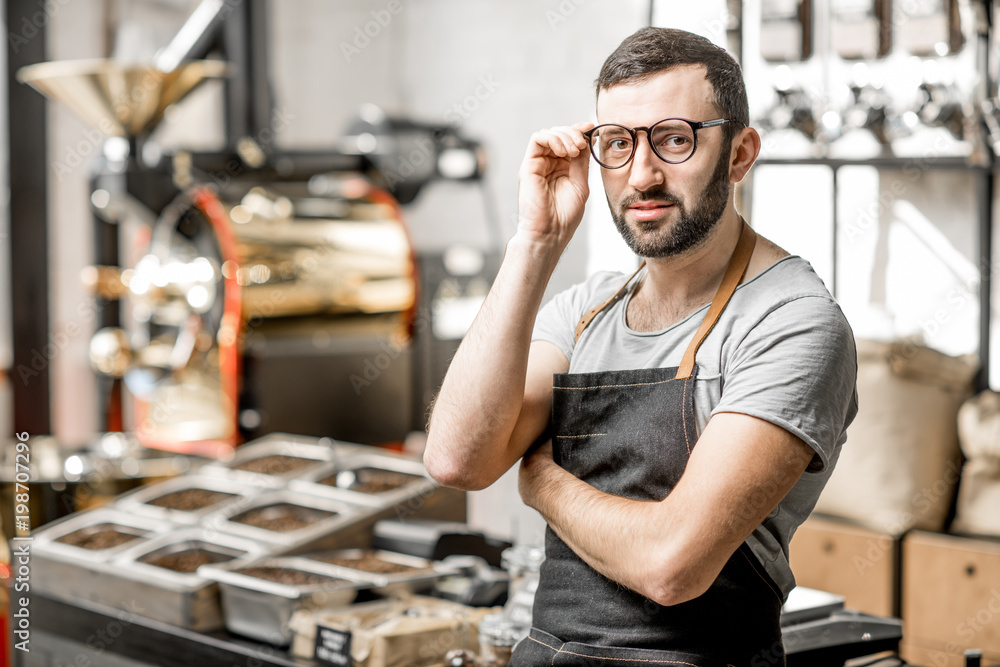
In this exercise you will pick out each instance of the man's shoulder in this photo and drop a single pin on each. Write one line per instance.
(789, 277)
(792, 287)
(597, 288)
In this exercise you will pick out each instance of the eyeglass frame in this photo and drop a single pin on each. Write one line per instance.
(634, 131)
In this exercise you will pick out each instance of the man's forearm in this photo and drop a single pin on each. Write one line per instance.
(480, 399)
(613, 535)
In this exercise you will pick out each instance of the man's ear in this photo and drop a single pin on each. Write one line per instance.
(746, 148)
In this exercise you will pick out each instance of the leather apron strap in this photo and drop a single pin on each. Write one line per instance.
(730, 281)
(592, 313)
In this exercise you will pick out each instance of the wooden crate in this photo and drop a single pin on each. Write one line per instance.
(951, 592)
(858, 563)
(927, 653)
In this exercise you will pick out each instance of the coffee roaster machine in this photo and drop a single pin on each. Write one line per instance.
(862, 79)
(251, 290)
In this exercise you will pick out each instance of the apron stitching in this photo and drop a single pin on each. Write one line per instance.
(687, 443)
(541, 642)
(661, 662)
(558, 651)
(585, 435)
(612, 386)
(766, 582)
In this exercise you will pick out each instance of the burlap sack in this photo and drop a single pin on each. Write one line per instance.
(978, 508)
(901, 460)
(979, 426)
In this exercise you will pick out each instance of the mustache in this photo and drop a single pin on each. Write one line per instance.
(658, 193)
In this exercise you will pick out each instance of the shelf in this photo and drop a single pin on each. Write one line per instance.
(881, 162)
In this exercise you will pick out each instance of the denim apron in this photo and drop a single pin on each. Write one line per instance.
(630, 433)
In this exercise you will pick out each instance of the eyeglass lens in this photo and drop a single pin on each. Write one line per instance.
(672, 140)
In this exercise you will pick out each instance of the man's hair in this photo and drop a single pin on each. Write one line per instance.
(652, 50)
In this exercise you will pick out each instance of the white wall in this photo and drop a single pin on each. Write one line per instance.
(75, 31)
(512, 68)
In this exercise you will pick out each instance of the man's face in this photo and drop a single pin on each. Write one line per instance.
(663, 209)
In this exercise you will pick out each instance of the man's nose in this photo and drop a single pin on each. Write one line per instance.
(646, 169)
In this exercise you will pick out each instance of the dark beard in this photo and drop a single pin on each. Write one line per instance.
(692, 227)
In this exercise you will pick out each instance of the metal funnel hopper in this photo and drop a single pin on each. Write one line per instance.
(121, 100)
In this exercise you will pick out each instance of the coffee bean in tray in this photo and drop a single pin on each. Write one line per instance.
(96, 538)
(287, 575)
(275, 464)
(282, 517)
(190, 500)
(186, 561)
(367, 562)
(370, 480)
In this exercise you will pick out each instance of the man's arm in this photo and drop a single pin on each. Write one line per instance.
(495, 397)
(672, 550)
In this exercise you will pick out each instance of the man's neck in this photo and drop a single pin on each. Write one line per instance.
(674, 287)
(694, 276)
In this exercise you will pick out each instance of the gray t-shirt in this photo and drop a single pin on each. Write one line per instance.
(782, 351)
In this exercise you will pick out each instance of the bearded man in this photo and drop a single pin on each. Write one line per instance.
(674, 427)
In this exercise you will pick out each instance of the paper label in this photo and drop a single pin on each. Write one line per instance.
(333, 647)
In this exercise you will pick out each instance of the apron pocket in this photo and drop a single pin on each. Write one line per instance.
(573, 653)
(542, 648)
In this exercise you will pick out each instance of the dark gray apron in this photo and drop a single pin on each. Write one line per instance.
(630, 433)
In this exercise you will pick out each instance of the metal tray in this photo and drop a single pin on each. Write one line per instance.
(422, 577)
(261, 609)
(137, 501)
(349, 526)
(182, 599)
(423, 486)
(46, 539)
(322, 450)
(71, 572)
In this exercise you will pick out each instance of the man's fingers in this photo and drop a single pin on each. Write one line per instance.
(558, 141)
(560, 144)
(574, 140)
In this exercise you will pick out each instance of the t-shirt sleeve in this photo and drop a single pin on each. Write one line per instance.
(797, 368)
(556, 322)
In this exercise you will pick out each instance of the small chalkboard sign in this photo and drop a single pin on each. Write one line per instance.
(333, 647)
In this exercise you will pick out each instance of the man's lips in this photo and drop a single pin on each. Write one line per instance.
(648, 210)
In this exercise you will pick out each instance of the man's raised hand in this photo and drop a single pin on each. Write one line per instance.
(552, 185)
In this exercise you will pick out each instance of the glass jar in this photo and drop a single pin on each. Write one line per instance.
(522, 563)
(497, 637)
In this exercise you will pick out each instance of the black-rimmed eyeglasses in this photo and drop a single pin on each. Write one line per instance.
(673, 140)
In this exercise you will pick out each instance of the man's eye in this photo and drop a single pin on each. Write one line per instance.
(675, 141)
(618, 144)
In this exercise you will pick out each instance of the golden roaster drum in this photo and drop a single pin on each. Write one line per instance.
(221, 262)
